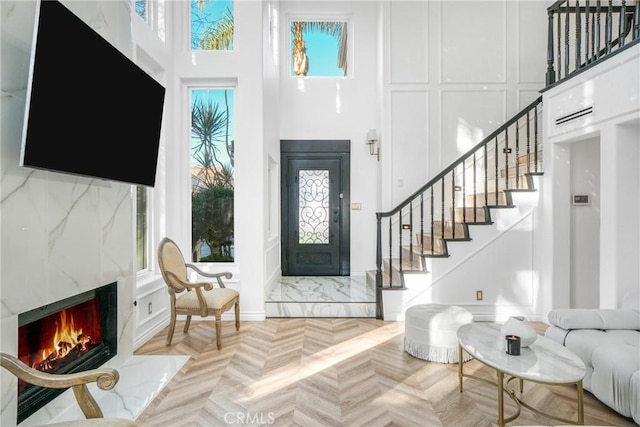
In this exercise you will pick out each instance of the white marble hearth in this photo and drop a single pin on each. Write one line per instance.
(321, 296)
(141, 379)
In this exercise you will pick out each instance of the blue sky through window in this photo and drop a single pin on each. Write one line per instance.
(322, 53)
(216, 96)
(206, 17)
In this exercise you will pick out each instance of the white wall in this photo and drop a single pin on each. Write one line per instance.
(272, 27)
(153, 54)
(613, 90)
(585, 224)
(345, 108)
(242, 69)
(432, 77)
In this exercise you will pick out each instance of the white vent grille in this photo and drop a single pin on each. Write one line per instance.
(573, 116)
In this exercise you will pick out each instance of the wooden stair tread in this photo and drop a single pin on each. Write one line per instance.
(386, 282)
(471, 215)
(406, 264)
(417, 251)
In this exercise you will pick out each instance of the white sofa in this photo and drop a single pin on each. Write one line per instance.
(608, 342)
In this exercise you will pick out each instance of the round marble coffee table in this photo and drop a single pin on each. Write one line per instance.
(544, 362)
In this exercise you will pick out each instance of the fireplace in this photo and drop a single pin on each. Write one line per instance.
(71, 335)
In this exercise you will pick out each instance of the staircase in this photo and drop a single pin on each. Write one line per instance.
(463, 196)
(484, 182)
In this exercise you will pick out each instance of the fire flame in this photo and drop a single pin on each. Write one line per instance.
(67, 338)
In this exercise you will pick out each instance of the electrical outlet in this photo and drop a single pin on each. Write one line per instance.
(479, 295)
(150, 308)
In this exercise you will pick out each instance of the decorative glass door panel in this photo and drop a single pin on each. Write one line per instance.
(313, 207)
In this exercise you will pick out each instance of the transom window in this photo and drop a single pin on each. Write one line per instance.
(212, 25)
(319, 48)
(153, 13)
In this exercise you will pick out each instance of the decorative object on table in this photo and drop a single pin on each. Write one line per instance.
(513, 345)
(520, 326)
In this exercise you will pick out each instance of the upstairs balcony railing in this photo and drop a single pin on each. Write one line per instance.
(584, 32)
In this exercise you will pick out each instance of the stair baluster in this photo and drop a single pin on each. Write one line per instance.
(431, 236)
(621, 25)
(517, 156)
(636, 21)
(586, 32)
(566, 43)
(609, 28)
(528, 144)
(578, 34)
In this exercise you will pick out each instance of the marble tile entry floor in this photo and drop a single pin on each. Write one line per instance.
(321, 296)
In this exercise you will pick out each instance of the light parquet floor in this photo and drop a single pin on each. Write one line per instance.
(333, 372)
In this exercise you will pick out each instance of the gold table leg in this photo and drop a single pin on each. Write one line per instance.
(580, 403)
(500, 398)
(460, 366)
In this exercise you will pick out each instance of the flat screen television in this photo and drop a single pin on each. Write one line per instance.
(90, 110)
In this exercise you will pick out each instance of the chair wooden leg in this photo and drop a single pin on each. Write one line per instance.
(172, 326)
(237, 309)
(187, 323)
(218, 330)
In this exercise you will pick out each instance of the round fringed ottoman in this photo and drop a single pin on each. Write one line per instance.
(430, 331)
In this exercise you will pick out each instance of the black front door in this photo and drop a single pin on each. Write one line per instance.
(315, 208)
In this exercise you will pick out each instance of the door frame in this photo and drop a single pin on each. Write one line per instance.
(318, 149)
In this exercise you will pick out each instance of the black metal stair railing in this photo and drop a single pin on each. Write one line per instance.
(581, 33)
(460, 195)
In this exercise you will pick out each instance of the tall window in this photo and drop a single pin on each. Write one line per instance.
(141, 8)
(212, 172)
(319, 48)
(142, 243)
(153, 13)
(212, 25)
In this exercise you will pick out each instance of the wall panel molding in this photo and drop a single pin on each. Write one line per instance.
(409, 42)
(462, 58)
(466, 120)
(409, 149)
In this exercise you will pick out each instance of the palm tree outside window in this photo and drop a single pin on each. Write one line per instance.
(212, 25)
(141, 8)
(319, 48)
(212, 175)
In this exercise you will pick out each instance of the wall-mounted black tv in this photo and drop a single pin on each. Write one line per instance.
(90, 110)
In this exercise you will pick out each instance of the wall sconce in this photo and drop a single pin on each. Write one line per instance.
(372, 138)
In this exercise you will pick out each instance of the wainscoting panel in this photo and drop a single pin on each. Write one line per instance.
(473, 42)
(409, 42)
(410, 136)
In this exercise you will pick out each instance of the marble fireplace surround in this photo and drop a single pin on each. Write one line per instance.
(62, 235)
